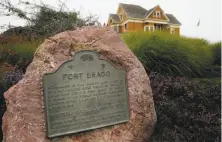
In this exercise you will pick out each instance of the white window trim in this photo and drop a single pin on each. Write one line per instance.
(172, 30)
(125, 27)
(159, 14)
(159, 26)
(174, 26)
(121, 17)
(155, 14)
(158, 22)
(149, 28)
(116, 27)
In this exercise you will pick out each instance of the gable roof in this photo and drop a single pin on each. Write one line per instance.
(134, 11)
(115, 18)
(150, 11)
(173, 20)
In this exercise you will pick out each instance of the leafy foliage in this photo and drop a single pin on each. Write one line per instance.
(170, 54)
(18, 54)
(187, 109)
(12, 77)
(44, 20)
(216, 47)
(47, 20)
(2, 107)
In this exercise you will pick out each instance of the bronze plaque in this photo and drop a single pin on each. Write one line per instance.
(85, 93)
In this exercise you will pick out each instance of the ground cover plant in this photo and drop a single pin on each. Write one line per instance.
(187, 109)
(171, 54)
(185, 76)
(185, 73)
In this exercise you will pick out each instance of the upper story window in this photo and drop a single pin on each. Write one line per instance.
(121, 17)
(110, 21)
(156, 14)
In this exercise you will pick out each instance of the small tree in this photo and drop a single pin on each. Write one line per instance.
(47, 20)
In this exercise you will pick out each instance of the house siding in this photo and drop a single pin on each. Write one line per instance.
(133, 26)
(120, 11)
(157, 18)
(121, 29)
(176, 31)
(139, 24)
(149, 24)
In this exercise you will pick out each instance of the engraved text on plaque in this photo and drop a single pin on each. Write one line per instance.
(83, 94)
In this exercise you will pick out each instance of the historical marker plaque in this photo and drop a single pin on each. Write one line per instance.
(83, 94)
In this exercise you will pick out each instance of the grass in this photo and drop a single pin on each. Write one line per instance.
(216, 47)
(14, 53)
(187, 109)
(170, 54)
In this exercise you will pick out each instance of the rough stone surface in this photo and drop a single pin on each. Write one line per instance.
(24, 119)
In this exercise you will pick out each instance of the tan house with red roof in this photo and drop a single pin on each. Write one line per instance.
(131, 18)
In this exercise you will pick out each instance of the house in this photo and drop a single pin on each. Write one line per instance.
(131, 17)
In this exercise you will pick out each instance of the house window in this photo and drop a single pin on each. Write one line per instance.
(149, 28)
(125, 27)
(172, 31)
(156, 14)
(110, 21)
(121, 17)
(116, 28)
(158, 27)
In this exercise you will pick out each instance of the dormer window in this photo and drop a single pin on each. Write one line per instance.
(121, 17)
(156, 14)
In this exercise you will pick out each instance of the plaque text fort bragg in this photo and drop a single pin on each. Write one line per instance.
(85, 93)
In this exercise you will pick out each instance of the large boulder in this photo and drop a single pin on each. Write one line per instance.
(24, 119)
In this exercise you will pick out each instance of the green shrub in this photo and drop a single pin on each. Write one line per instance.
(19, 54)
(25, 50)
(216, 53)
(188, 110)
(170, 54)
(3, 54)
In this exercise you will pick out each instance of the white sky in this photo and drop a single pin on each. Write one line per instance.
(188, 12)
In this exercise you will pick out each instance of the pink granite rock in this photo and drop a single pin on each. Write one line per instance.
(24, 119)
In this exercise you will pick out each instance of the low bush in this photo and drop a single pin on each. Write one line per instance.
(170, 54)
(187, 109)
(11, 77)
(216, 47)
(2, 107)
(24, 50)
(20, 53)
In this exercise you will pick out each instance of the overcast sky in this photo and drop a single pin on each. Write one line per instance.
(188, 12)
